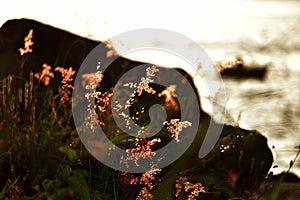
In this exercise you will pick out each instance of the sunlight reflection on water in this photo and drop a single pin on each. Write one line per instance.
(273, 108)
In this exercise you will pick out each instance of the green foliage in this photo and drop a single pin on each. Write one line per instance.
(71, 153)
(41, 154)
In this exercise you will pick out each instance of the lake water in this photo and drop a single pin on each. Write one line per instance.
(259, 31)
(271, 106)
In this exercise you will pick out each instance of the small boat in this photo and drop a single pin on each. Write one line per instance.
(238, 70)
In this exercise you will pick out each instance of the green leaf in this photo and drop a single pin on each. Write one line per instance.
(72, 154)
(64, 149)
(4, 191)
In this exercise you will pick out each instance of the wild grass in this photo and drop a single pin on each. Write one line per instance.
(42, 156)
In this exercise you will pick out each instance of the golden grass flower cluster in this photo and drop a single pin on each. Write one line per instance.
(67, 75)
(91, 120)
(142, 150)
(144, 83)
(27, 44)
(147, 180)
(144, 194)
(103, 101)
(46, 75)
(66, 87)
(175, 126)
(183, 185)
(91, 81)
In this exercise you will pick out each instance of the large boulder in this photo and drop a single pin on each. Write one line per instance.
(241, 166)
(52, 46)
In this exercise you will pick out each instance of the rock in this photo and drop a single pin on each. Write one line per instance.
(51, 45)
(286, 177)
(244, 158)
